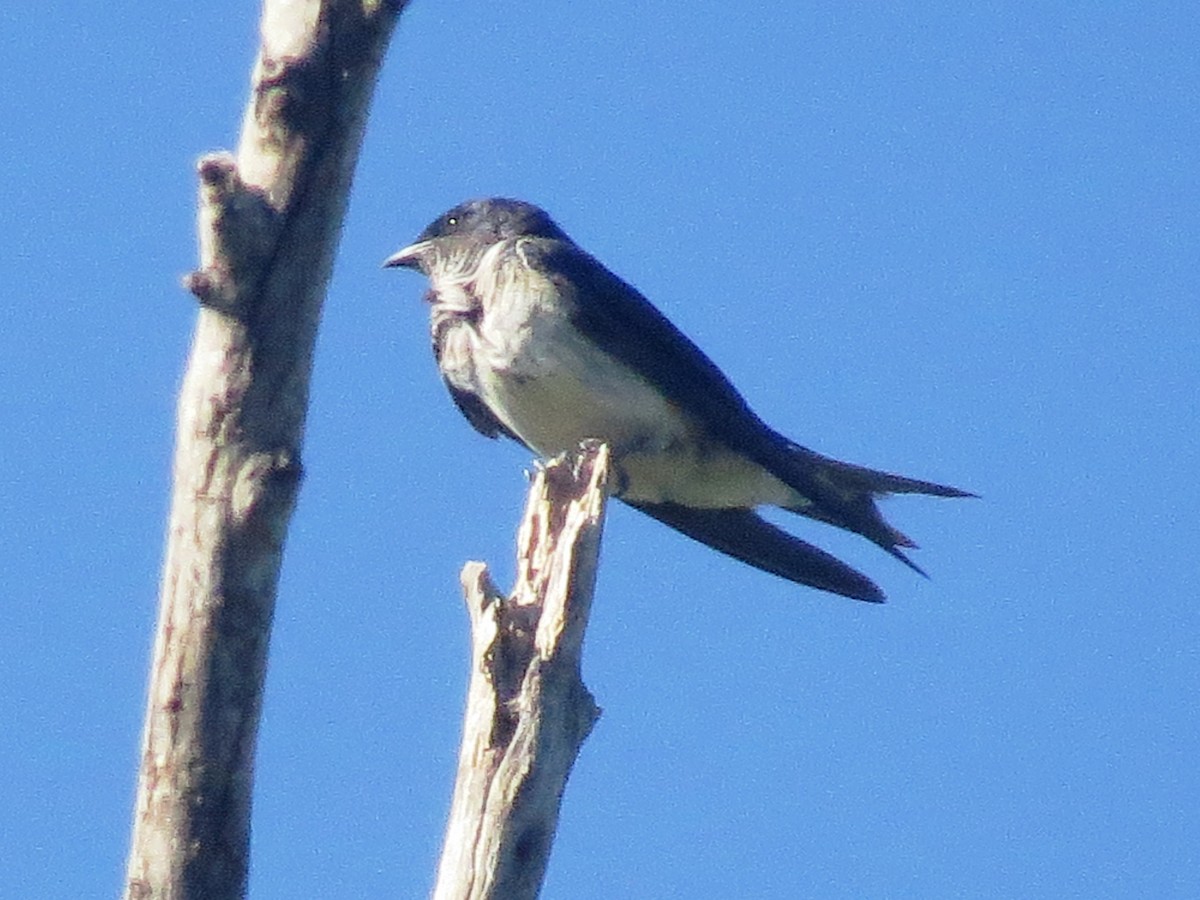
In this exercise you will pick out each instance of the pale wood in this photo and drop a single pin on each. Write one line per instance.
(268, 226)
(528, 711)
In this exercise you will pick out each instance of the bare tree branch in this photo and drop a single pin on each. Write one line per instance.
(528, 711)
(268, 226)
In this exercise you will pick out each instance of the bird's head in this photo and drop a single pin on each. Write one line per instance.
(458, 238)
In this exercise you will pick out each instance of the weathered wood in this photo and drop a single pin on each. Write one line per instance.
(268, 226)
(528, 711)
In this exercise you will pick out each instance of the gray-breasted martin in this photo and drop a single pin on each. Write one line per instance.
(538, 341)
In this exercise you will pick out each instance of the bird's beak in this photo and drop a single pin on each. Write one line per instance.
(410, 257)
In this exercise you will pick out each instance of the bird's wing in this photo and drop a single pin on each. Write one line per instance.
(617, 318)
(469, 403)
(746, 536)
(477, 413)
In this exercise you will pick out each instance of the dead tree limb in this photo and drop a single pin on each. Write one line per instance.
(528, 711)
(268, 225)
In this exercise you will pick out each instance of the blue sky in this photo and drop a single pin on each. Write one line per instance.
(958, 242)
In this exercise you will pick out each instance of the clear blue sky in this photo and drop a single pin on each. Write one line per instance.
(960, 243)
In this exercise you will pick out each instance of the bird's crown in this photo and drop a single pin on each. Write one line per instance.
(493, 219)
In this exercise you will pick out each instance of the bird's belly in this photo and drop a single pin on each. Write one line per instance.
(564, 399)
(568, 392)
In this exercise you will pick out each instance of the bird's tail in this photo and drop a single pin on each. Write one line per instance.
(854, 490)
(852, 477)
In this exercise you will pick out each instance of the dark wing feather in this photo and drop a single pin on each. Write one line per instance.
(744, 535)
(627, 326)
(478, 414)
(470, 404)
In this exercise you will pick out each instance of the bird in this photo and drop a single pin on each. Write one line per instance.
(539, 342)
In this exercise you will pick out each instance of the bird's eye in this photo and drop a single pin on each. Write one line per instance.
(451, 221)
